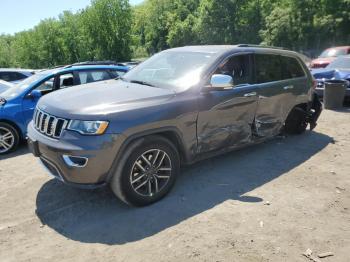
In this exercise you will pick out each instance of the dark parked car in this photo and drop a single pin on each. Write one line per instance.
(339, 69)
(180, 106)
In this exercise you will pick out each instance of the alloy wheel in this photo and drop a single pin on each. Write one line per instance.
(151, 172)
(7, 140)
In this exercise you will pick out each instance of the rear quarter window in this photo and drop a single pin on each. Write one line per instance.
(291, 68)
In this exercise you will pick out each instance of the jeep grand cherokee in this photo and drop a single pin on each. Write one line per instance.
(178, 107)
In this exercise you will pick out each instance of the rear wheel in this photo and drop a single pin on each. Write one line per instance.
(149, 172)
(9, 138)
(296, 122)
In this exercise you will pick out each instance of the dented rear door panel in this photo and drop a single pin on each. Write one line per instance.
(275, 101)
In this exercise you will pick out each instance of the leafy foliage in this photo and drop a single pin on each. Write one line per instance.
(113, 30)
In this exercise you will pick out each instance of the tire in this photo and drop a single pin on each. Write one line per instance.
(296, 122)
(9, 138)
(147, 171)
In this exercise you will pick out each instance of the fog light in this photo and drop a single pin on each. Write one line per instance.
(75, 161)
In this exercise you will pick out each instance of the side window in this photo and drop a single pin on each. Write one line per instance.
(15, 76)
(18, 76)
(239, 67)
(11, 76)
(93, 76)
(291, 68)
(66, 80)
(5, 76)
(100, 75)
(268, 68)
(117, 73)
(46, 86)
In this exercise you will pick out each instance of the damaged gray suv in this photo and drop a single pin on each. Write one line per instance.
(180, 106)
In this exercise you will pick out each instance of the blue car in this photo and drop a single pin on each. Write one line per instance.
(17, 104)
(339, 69)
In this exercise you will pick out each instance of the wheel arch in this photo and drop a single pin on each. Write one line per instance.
(304, 106)
(14, 125)
(170, 133)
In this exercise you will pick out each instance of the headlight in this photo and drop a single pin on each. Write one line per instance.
(88, 127)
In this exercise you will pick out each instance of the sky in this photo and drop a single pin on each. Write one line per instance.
(18, 15)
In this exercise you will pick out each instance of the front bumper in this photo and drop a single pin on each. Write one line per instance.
(99, 152)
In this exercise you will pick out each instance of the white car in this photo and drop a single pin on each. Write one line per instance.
(5, 85)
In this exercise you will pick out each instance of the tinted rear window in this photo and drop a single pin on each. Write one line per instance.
(11, 76)
(291, 68)
(268, 68)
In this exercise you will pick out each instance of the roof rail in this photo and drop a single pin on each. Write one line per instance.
(105, 62)
(88, 63)
(261, 46)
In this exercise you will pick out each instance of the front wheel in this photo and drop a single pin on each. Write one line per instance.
(9, 138)
(148, 173)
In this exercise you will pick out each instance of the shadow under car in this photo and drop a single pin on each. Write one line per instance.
(99, 217)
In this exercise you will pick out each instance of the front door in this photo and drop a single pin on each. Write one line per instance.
(225, 117)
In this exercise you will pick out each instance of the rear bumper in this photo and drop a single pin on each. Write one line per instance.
(98, 151)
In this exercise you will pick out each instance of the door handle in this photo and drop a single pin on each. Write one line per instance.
(250, 94)
(288, 87)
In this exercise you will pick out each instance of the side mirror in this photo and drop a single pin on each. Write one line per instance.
(220, 82)
(35, 94)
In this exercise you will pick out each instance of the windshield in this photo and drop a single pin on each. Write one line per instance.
(176, 70)
(340, 63)
(333, 53)
(22, 86)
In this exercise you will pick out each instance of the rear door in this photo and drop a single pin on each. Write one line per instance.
(296, 79)
(278, 90)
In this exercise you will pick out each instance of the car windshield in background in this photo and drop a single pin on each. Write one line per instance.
(19, 88)
(171, 70)
(340, 63)
(333, 53)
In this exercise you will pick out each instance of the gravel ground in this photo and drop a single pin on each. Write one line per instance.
(269, 202)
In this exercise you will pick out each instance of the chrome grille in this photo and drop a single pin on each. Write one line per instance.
(48, 124)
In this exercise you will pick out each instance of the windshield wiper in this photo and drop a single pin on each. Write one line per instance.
(141, 83)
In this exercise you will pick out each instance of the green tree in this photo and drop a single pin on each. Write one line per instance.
(113, 30)
(6, 51)
(107, 27)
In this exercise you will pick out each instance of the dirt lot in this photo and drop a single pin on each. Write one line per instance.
(269, 202)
